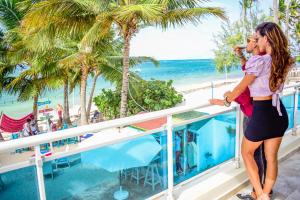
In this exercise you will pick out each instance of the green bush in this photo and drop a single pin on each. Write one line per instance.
(149, 96)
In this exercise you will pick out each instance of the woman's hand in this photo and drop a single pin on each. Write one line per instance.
(226, 94)
(219, 102)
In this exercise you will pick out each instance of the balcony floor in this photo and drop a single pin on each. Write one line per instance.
(287, 186)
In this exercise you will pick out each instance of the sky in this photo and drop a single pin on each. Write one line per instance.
(189, 41)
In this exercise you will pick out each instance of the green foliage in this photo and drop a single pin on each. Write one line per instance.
(225, 41)
(108, 102)
(294, 23)
(230, 36)
(149, 96)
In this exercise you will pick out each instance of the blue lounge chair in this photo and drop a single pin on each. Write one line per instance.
(62, 163)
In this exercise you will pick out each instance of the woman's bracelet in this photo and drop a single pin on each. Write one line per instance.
(226, 102)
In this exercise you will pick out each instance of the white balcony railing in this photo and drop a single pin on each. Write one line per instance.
(109, 139)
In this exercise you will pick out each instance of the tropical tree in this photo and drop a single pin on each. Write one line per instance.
(231, 35)
(289, 12)
(6, 68)
(10, 18)
(97, 18)
(10, 15)
(32, 83)
(110, 70)
(245, 4)
(276, 11)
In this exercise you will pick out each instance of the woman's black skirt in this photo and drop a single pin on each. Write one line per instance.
(265, 122)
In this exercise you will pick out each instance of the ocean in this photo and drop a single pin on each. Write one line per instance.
(182, 72)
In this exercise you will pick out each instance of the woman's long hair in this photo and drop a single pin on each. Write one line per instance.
(281, 57)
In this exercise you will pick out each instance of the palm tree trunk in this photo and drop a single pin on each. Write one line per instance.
(66, 115)
(124, 92)
(244, 13)
(83, 115)
(35, 106)
(275, 11)
(88, 110)
(251, 17)
(287, 18)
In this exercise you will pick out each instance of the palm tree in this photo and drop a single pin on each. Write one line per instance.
(9, 14)
(87, 61)
(95, 20)
(287, 17)
(10, 18)
(131, 16)
(247, 4)
(276, 11)
(30, 84)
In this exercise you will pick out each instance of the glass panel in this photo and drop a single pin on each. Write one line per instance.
(19, 184)
(203, 144)
(15, 156)
(288, 102)
(136, 169)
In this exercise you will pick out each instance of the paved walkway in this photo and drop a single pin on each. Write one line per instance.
(287, 186)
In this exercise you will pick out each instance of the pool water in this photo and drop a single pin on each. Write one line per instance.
(198, 146)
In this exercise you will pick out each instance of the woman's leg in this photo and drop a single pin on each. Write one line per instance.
(258, 157)
(271, 150)
(248, 149)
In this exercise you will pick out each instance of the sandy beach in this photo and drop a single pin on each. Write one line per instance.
(192, 94)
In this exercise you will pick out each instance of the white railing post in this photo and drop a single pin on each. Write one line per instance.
(170, 158)
(39, 172)
(295, 110)
(239, 132)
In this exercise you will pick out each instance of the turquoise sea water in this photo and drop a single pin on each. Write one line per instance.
(182, 72)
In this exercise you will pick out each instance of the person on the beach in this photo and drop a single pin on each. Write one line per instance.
(95, 117)
(34, 126)
(246, 106)
(265, 76)
(59, 109)
(59, 125)
(26, 128)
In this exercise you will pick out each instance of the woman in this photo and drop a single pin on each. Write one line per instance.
(245, 102)
(26, 128)
(265, 76)
(59, 112)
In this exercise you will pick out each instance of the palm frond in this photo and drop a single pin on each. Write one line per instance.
(144, 12)
(194, 15)
(69, 14)
(10, 16)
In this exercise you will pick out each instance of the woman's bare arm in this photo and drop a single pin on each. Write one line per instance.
(245, 82)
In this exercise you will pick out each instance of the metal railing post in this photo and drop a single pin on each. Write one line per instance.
(295, 110)
(239, 132)
(170, 158)
(39, 172)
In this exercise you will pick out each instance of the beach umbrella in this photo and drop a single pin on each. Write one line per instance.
(137, 152)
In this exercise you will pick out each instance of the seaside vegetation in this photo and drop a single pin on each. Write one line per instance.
(49, 44)
(236, 32)
(144, 96)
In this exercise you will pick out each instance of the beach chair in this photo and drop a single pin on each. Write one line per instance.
(86, 136)
(62, 163)
(73, 140)
(74, 159)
